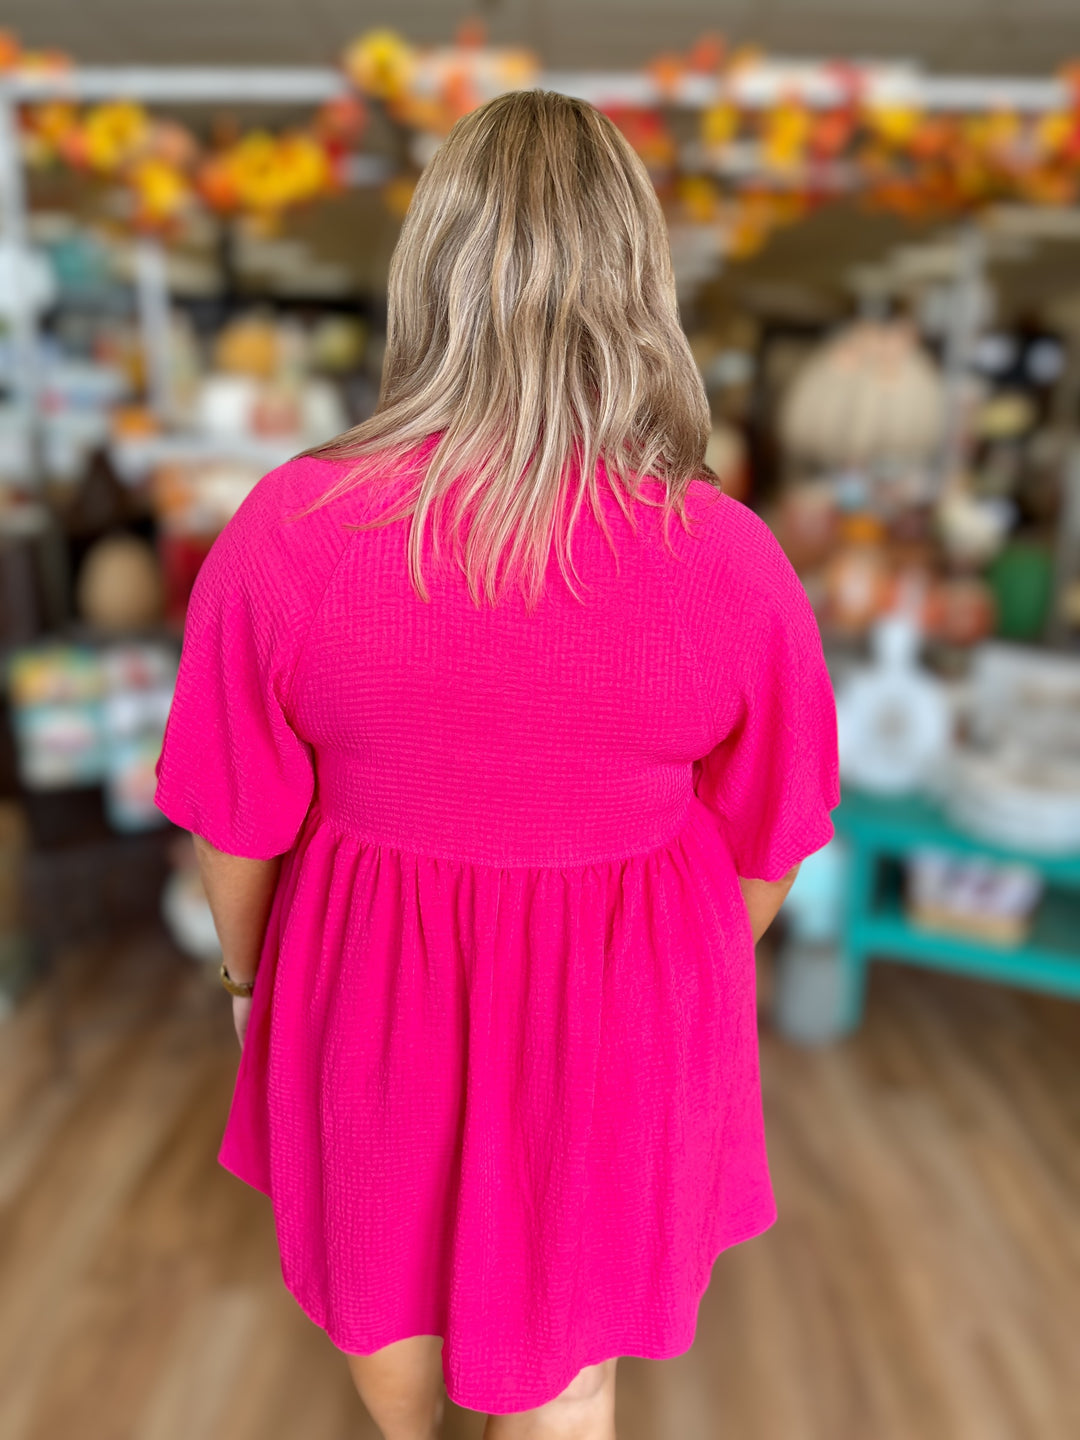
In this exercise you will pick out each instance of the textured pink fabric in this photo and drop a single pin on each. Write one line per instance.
(501, 1074)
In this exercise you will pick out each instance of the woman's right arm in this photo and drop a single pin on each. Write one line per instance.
(764, 898)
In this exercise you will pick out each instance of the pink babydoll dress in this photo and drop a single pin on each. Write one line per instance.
(500, 1080)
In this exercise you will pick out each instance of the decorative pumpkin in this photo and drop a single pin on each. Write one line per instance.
(870, 394)
(962, 610)
(249, 345)
(120, 585)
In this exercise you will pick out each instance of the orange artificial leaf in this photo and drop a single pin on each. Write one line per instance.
(217, 183)
(831, 132)
(706, 54)
(667, 71)
(10, 50)
(52, 121)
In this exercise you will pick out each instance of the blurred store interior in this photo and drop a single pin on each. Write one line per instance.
(875, 224)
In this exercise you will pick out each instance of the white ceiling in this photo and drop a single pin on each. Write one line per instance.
(957, 36)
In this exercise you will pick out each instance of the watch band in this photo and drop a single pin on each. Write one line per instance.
(243, 988)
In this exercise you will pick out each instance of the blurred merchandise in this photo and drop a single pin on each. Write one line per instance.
(971, 895)
(1021, 577)
(263, 388)
(337, 344)
(57, 693)
(181, 557)
(193, 500)
(894, 720)
(86, 717)
(808, 524)
(858, 575)
(198, 497)
(139, 680)
(75, 398)
(1005, 415)
(27, 279)
(1015, 780)
(226, 405)
(972, 528)
(960, 609)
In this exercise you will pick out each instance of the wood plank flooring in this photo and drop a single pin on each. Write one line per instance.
(923, 1282)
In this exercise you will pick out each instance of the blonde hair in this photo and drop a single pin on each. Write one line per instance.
(533, 326)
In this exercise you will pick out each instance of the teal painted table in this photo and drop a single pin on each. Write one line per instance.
(879, 833)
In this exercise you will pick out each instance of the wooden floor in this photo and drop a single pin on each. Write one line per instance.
(923, 1282)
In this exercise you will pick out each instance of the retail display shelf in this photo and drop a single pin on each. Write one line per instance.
(134, 458)
(880, 833)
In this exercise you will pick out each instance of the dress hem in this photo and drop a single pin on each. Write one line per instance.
(628, 1349)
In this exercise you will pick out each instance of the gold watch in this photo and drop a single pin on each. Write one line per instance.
(244, 988)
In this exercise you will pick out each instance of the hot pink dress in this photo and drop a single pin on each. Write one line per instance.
(500, 1079)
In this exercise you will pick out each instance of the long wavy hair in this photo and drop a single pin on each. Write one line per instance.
(533, 333)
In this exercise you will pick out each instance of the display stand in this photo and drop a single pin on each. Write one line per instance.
(882, 832)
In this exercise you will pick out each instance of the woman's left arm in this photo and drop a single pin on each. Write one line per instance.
(240, 892)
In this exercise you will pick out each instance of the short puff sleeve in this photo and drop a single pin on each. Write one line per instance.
(232, 768)
(773, 778)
